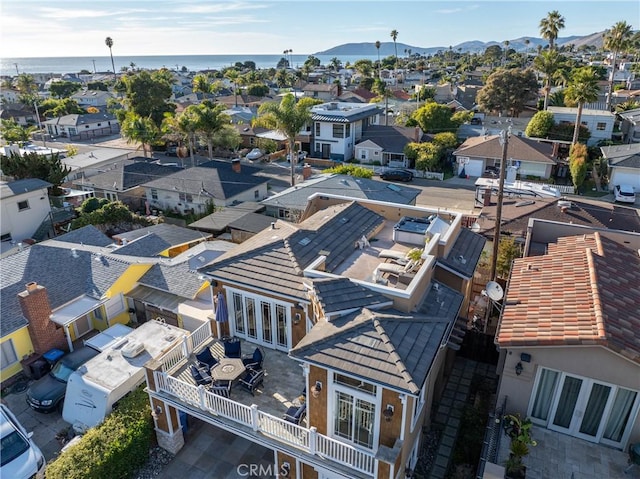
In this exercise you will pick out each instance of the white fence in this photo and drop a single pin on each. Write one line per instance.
(564, 189)
(429, 175)
(300, 437)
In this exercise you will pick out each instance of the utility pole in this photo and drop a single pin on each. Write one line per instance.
(17, 71)
(94, 66)
(44, 138)
(504, 141)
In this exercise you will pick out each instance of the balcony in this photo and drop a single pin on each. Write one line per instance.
(259, 417)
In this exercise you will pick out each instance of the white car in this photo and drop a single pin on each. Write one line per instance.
(20, 458)
(301, 156)
(624, 194)
(255, 154)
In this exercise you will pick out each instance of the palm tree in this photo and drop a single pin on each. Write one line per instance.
(109, 42)
(506, 44)
(549, 63)
(209, 119)
(186, 124)
(201, 84)
(616, 40)
(378, 48)
(233, 75)
(394, 36)
(137, 129)
(582, 89)
(335, 64)
(550, 26)
(287, 117)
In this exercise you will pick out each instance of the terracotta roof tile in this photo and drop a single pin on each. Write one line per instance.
(585, 290)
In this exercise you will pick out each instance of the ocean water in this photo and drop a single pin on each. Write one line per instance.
(60, 65)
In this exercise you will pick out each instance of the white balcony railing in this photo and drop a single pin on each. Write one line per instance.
(306, 439)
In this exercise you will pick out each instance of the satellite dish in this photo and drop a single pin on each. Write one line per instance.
(494, 291)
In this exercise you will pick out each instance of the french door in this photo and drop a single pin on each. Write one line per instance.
(260, 321)
(584, 407)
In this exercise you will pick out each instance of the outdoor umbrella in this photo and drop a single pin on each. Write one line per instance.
(221, 314)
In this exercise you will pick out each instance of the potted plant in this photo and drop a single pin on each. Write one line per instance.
(514, 466)
(519, 430)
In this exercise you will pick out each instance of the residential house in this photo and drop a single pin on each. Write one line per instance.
(218, 223)
(322, 91)
(241, 115)
(24, 205)
(531, 157)
(95, 161)
(123, 182)
(311, 293)
(337, 127)
(9, 96)
(569, 333)
(217, 183)
(630, 125)
(291, 203)
(598, 122)
(384, 145)
(83, 127)
(163, 239)
(22, 115)
(624, 164)
(95, 98)
(358, 95)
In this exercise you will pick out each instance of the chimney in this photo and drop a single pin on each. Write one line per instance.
(45, 334)
(306, 171)
(235, 165)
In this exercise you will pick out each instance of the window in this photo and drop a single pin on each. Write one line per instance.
(154, 194)
(114, 306)
(256, 194)
(186, 197)
(354, 419)
(98, 314)
(9, 355)
(338, 131)
(23, 205)
(601, 126)
(347, 129)
(317, 129)
(283, 213)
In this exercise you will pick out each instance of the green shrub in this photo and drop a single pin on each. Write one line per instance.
(115, 449)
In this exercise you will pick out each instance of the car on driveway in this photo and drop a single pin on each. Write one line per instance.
(47, 393)
(255, 154)
(301, 156)
(624, 194)
(20, 458)
(397, 175)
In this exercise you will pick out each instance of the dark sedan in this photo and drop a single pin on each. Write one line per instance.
(397, 175)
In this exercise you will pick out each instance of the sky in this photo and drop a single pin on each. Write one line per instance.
(70, 28)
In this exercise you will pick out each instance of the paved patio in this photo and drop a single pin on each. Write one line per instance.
(560, 456)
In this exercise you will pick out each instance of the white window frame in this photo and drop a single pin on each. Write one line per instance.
(114, 306)
(21, 208)
(8, 354)
(418, 405)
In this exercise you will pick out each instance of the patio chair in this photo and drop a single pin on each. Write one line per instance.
(232, 348)
(255, 360)
(394, 269)
(296, 414)
(200, 376)
(206, 359)
(252, 380)
(222, 388)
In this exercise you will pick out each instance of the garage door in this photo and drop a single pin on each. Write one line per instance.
(472, 168)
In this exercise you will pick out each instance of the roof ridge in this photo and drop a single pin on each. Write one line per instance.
(595, 292)
(393, 354)
(292, 256)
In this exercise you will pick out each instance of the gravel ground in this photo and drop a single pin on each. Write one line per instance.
(158, 458)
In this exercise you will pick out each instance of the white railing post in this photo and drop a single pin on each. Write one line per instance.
(201, 393)
(254, 417)
(185, 346)
(313, 437)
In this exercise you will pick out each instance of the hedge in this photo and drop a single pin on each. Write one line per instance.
(115, 449)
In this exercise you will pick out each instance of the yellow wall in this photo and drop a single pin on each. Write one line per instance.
(128, 280)
(23, 347)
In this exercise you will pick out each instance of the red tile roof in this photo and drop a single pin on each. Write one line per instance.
(585, 290)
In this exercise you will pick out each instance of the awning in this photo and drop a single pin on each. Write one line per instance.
(196, 309)
(157, 298)
(72, 311)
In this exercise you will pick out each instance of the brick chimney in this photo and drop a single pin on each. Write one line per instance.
(306, 171)
(45, 334)
(235, 165)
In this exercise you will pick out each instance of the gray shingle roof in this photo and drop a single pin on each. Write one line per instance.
(274, 259)
(148, 246)
(519, 149)
(465, 253)
(390, 348)
(345, 119)
(172, 234)
(177, 279)
(251, 222)
(393, 138)
(340, 294)
(441, 302)
(26, 185)
(126, 176)
(65, 277)
(220, 220)
(89, 235)
(345, 185)
(627, 156)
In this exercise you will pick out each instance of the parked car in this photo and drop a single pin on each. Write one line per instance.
(476, 121)
(255, 154)
(20, 458)
(47, 393)
(397, 175)
(171, 151)
(301, 156)
(624, 194)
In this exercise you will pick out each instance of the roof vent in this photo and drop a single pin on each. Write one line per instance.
(132, 349)
(564, 204)
(273, 225)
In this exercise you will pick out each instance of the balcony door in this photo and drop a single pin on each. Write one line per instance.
(584, 408)
(260, 320)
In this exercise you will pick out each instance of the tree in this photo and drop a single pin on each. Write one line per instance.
(549, 63)
(378, 48)
(428, 156)
(364, 67)
(582, 89)
(53, 108)
(539, 125)
(233, 76)
(228, 137)
(137, 129)
(351, 170)
(12, 132)
(28, 88)
(288, 118)
(209, 119)
(508, 91)
(434, 118)
(146, 95)
(492, 54)
(394, 36)
(446, 140)
(201, 84)
(32, 165)
(64, 89)
(578, 164)
(97, 85)
(335, 64)
(111, 216)
(550, 26)
(508, 250)
(109, 43)
(616, 40)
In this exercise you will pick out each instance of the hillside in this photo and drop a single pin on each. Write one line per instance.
(387, 48)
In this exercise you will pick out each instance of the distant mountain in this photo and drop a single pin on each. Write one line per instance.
(368, 49)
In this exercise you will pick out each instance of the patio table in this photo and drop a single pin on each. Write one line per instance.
(228, 369)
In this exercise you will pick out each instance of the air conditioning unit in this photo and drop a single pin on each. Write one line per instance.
(132, 349)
